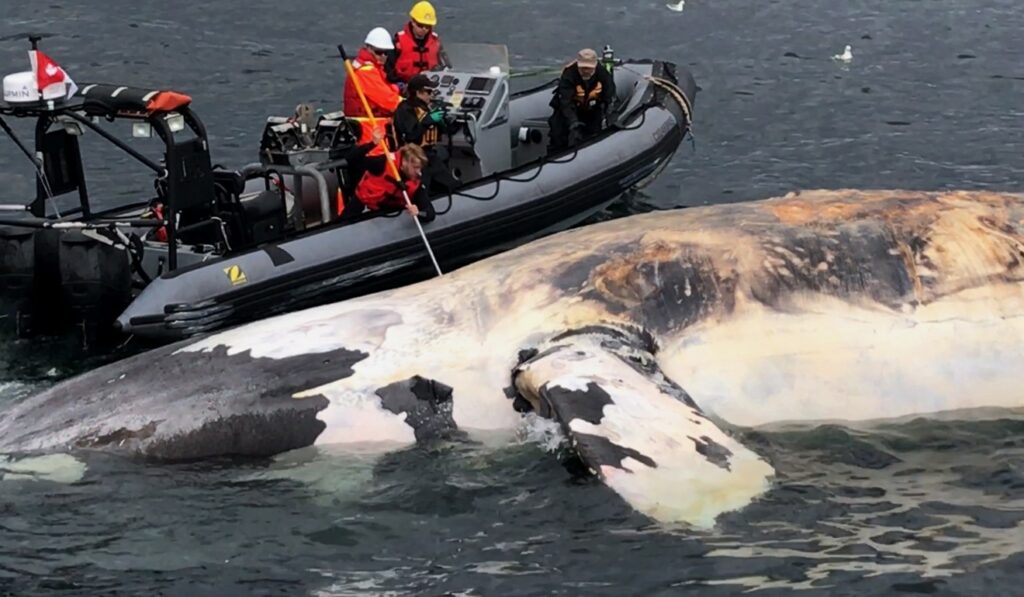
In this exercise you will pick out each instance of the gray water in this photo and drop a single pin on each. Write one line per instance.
(932, 100)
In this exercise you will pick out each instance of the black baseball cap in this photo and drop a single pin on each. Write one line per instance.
(420, 81)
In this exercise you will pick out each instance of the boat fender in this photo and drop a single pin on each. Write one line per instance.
(530, 135)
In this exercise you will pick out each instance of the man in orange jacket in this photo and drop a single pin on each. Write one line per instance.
(417, 46)
(368, 67)
(377, 189)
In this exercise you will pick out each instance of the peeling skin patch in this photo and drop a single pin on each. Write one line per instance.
(716, 454)
(664, 288)
(426, 404)
(600, 452)
(863, 265)
(583, 400)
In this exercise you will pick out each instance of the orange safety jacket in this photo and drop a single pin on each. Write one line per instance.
(382, 96)
(413, 56)
(586, 100)
(157, 211)
(382, 190)
(366, 134)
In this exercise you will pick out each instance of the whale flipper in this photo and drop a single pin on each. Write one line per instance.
(637, 431)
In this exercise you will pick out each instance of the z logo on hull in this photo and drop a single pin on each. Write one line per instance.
(235, 275)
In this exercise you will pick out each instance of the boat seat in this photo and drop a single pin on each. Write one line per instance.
(231, 181)
(228, 186)
(266, 214)
(261, 204)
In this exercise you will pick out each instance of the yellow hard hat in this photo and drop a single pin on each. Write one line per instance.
(423, 13)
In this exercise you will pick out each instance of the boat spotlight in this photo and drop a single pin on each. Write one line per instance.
(175, 122)
(142, 130)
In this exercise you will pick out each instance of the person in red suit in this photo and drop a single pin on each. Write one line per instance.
(417, 46)
(368, 67)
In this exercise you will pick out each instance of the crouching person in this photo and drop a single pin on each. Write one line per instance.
(377, 189)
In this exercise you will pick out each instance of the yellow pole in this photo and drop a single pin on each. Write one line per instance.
(387, 154)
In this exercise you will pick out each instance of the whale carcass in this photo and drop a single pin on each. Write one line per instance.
(651, 339)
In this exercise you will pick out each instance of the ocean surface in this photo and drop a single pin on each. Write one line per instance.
(933, 99)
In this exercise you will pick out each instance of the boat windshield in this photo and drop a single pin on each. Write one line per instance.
(477, 58)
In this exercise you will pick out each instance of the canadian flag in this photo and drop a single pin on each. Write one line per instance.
(49, 75)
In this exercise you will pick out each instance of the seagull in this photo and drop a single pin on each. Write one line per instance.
(846, 56)
(678, 6)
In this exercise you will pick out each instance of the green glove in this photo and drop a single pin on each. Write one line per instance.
(436, 116)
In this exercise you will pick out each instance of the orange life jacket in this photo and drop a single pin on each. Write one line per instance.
(414, 56)
(585, 100)
(382, 96)
(382, 190)
(366, 134)
(159, 234)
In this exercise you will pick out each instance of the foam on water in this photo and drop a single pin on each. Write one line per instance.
(58, 468)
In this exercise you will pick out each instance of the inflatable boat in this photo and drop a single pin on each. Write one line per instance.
(216, 247)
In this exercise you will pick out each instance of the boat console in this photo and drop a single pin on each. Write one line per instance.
(477, 105)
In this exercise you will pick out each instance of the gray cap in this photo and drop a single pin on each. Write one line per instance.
(586, 57)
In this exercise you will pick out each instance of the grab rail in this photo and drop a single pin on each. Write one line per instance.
(298, 172)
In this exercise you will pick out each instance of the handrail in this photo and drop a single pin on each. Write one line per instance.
(157, 168)
(321, 182)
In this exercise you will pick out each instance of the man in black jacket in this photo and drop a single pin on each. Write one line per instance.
(584, 98)
(415, 122)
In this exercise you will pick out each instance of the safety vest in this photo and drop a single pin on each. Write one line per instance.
(382, 96)
(585, 100)
(381, 190)
(366, 134)
(430, 135)
(156, 211)
(414, 55)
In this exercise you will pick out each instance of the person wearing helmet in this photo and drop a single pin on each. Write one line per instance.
(382, 95)
(417, 46)
(583, 100)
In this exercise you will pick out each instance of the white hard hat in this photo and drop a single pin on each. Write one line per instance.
(379, 38)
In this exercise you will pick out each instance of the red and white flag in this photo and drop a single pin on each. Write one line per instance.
(50, 77)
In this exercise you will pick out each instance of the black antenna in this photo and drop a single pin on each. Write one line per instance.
(32, 36)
